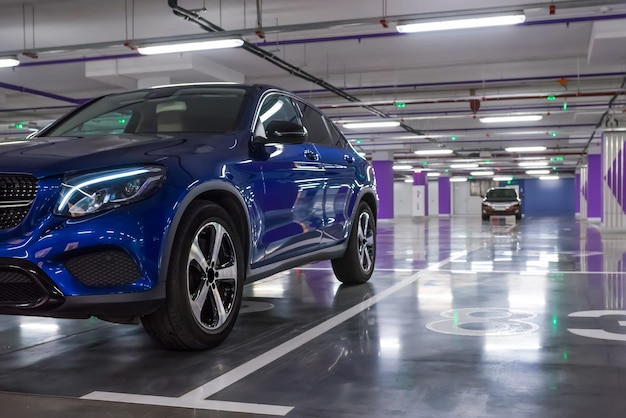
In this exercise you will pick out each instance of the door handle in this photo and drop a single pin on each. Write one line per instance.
(348, 158)
(311, 155)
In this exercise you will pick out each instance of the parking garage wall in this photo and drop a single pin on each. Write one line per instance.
(548, 198)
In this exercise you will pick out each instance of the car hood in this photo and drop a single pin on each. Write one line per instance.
(500, 200)
(50, 156)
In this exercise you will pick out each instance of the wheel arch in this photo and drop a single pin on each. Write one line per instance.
(221, 193)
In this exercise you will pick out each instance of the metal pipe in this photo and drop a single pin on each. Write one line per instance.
(279, 62)
(45, 94)
(27, 109)
(334, 24)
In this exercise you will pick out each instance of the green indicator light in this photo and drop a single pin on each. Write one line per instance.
(564, 356)
(453, 138)
(487, 161)
(565, 106)
(425, 163)
(551, 98)
(553, 134)
(400, 105)
(121, 121)
(470, 177)
(359, 141)
(555, 321)
(509, 182)
(446, 170)
(19, 125)
(559, 158)
(554, 168)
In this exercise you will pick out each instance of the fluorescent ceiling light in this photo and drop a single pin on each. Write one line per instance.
(549, 178)
(534, 164)
(537, 172)
(408, 180)
(433, 152)
(189, 46)
(525, 149)
(457, 179)
(476, 22)
(464, 166)
(504, 119)
(482, 173)
(402, 167)
(502, 178)
(433, 174)
(6, 62)
(365, 125)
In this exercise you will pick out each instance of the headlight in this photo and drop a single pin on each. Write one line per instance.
(90, 193)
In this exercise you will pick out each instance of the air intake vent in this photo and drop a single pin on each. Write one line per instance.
(104, 269)
(17, 288)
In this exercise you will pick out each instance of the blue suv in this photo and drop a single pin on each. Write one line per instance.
(157, 205)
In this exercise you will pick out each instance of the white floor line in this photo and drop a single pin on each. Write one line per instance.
(399, 270)
(250, 408)
(197, 397)
(238, 373)
(527, 273)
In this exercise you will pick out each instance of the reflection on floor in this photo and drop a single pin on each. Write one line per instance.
(461, 319)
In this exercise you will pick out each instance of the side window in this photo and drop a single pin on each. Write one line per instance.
(275, 107)
(338, 140)
(315, 125)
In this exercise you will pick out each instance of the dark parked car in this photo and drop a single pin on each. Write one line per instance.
(158, 205)
(501, 201)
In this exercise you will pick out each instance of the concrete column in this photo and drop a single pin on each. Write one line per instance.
(594, 187)
(613, 181)
(382, 163)
(583, 192)
(420, 193)
(444, 195)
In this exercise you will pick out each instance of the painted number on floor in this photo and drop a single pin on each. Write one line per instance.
(600, 333)
(480, 322)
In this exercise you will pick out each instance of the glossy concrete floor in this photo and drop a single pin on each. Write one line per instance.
(461, 319)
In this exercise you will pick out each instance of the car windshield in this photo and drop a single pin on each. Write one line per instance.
(167, 110)
(502, 194)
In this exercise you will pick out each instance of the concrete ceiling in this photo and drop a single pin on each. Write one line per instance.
(577, 55)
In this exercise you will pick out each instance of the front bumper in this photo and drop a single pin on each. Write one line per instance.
(105, 264)
(501, 211)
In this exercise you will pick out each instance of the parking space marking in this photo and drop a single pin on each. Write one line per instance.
(197, 398)
(249, 408)
(532, 272)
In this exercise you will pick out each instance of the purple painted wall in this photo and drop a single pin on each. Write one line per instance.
(594, 186)
(384, 186)
(421, 179)
(444, 195)
(577, 193)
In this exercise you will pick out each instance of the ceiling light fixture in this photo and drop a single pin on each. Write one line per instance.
(504, 119)
(537, 172)
(482, 173)
(366, 125)
(400, 167)
(525, 149)
(433, 152)
(468, 23)
(461, 166)
(433, 174)
(457, 179)
(7, 62)
(533, 164)
(189, 46)
(549, 178)
(502, 178)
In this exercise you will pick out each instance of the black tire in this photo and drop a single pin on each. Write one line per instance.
(485, 217)
(357, 264)
(518, 216)
(194, 283)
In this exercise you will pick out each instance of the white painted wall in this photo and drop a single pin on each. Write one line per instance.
(433, 198)
(402, 199)
(463, 203)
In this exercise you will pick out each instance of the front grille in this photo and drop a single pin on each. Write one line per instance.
(17, 191)
(17, 187)
(104, 269)
(18, 288)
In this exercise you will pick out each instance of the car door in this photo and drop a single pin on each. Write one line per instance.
(339, 172)
(293, 176)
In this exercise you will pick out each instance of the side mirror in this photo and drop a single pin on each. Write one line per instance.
(286, 132)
